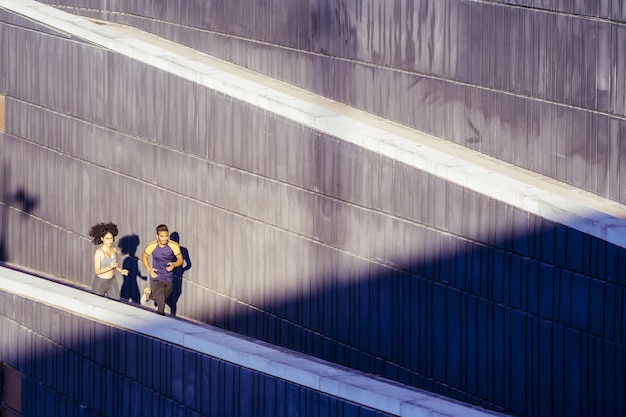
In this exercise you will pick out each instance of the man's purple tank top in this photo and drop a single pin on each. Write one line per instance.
(160, 257)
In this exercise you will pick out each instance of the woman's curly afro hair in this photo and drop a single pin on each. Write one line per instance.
(98, 231)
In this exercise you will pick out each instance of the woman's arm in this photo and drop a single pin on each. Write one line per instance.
(118, 267)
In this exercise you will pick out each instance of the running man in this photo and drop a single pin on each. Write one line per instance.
(166, 256)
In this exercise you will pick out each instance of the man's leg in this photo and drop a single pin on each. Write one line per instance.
(169, 287)
(158, 295)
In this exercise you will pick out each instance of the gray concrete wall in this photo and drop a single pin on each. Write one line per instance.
(539, 84)
(303, 240)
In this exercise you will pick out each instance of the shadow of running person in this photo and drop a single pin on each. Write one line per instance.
(177, 284)
(132, 288)
(21, 199)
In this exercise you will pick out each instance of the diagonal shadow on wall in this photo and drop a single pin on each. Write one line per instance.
(516, 334)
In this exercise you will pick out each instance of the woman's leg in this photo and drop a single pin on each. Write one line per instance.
(99, 286)
(113, 292)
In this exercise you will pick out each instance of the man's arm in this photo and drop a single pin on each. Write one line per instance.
(179, 259)
(179, 256)
(144, 260)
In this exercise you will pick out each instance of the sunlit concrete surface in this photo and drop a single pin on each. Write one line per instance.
(523, 189)
(290, 366)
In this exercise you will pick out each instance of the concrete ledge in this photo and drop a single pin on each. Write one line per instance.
(340, 382)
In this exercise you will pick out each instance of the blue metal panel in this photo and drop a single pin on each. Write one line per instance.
(39, 398)
(64, 406)
(192, 381)
(620, 325)
(112, 342)
(565, 298)
(154, 352)
(124, 400)
(471, 345)
(483, 336)
(145, 400)
(620, 384)
(475, 270)
(530, 288)
(518, 361)
(597, 305)
(580, 302)
(166, 407)
(557, 367)
(545, 363)
(424, 327)
(453, 325)
(120, 387)
(573, 377)
(438, 331)
(546, 288)
(176, 375)
(105, 390)
(499, 353)
(461, 265)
